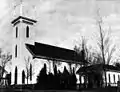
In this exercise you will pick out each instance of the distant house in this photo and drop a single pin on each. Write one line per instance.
(112, 72)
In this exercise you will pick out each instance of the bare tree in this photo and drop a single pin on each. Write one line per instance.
(96, 58)
(87, 53)
(29, 68)
(104, 43)
(84, 55)
(117, 64)
(82, 51)
(5, 59)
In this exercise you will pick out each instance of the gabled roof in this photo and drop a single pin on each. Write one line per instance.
(45, 51)
(97, 67)
(31, 49)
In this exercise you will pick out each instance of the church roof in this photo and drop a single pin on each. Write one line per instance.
(45, 51)
(23, 18)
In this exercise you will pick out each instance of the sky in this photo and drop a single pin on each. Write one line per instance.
(61, 22)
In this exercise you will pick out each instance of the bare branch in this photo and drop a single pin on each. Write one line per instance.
(5, 60)
(104, 41)
(28, 71)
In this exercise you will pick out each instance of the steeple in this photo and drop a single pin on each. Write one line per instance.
(18, 8)
(23, 32)
(21, 6)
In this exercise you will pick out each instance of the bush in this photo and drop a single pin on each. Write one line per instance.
(57, 80)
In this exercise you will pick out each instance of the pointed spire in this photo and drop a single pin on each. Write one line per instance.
(18, 8)
(21, 6)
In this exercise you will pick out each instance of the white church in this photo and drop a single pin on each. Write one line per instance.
(23, 33)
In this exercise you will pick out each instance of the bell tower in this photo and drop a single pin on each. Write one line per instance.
(23, 32)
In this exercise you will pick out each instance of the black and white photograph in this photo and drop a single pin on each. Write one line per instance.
(59, 45)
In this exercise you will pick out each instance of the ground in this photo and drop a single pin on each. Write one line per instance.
(113, 89)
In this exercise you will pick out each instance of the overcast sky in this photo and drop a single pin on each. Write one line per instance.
(60, 22)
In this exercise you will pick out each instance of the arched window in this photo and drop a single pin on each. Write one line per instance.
(27, 31)
(16, 51)
(16, 32)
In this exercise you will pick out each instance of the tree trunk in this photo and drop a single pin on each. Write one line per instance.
(27, 76)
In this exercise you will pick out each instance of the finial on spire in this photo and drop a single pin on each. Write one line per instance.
(18, 7)
(21, 6)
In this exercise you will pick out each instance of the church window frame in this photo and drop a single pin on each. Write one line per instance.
(16, 32)
(27, 32)
(16, 51)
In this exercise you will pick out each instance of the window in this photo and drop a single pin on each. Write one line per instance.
(109, 77)
(27, 32)
(118, 77)
(114, 77)
(16, 51)
(16, 32)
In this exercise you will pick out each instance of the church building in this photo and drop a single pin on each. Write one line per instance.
(23, 40)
